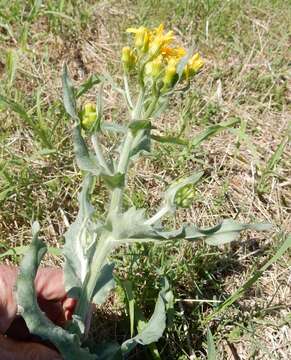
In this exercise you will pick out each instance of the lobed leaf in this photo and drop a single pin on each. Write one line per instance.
(38, 324)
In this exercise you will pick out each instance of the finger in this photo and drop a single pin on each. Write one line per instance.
(49, 284)
(8, 307)
(16, 350)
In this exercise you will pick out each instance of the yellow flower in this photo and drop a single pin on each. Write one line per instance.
(154, 68)
(169, 52)
(170, 76)
(194, 65)
(159, 40)
(142, 37)
(128, 58)
(89, 115)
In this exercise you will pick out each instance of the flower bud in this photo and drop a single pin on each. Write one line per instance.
(194, 65)
(184, 197)
(154, 68)
(89, 116)
(128, 58)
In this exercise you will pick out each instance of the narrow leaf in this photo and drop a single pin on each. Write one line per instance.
(156, 325)
(211, 350)
(68, 95)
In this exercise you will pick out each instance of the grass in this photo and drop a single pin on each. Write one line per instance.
(246, 79)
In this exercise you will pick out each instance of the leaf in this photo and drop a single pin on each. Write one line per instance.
(38, 324)
(170, 140)
(68, 95)
(113, 127)
(169, 196)
(14, 106)
(11, 65)
(141, 144)
(276, 157)
(80, 240)
(212, 130)
(225, 232)
(114, 181)
(137, 125)
(21, 250)
(104, 285)
(130, 224)
(282, 248)
(87, 85)
(128, 290)
(211, 351)
(183, 62)
(85, 160)
(155, 327)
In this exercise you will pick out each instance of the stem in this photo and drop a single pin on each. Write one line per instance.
(103, 248)
(152, 107)
(163, 211)
(127, 92)
(99, 153)
(122, 167)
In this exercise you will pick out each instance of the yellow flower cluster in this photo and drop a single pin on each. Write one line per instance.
(153, 50)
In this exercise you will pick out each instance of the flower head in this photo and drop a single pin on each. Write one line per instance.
(142, 37)
(89, 116)
(159, 40)
(154, 67)
(194, 65)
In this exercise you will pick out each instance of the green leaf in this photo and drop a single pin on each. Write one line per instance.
(11, 65)
(225, 232)
(80, 241)
(104, 285)
(170, 140)
(212, 130)
(183, 62)
(211, 351)
(87, 85)
(130, 224)
(128, 290)
(137, 125)
(155, 327)
(113, 127)
(114, 181)
(68, 95)
(38, 324)
(14, 106)
(85, 160)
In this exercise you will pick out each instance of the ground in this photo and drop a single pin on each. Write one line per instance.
(246, 80)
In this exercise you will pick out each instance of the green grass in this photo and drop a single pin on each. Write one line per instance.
(245, 45)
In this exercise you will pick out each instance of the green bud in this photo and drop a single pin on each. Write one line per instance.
(184, 197)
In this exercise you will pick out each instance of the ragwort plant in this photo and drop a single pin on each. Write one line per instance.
(158, 69)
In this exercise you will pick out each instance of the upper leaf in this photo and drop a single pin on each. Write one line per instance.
(68, 95)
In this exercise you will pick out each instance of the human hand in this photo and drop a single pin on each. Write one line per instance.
(52, 299)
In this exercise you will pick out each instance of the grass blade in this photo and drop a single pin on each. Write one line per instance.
(257, 274)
